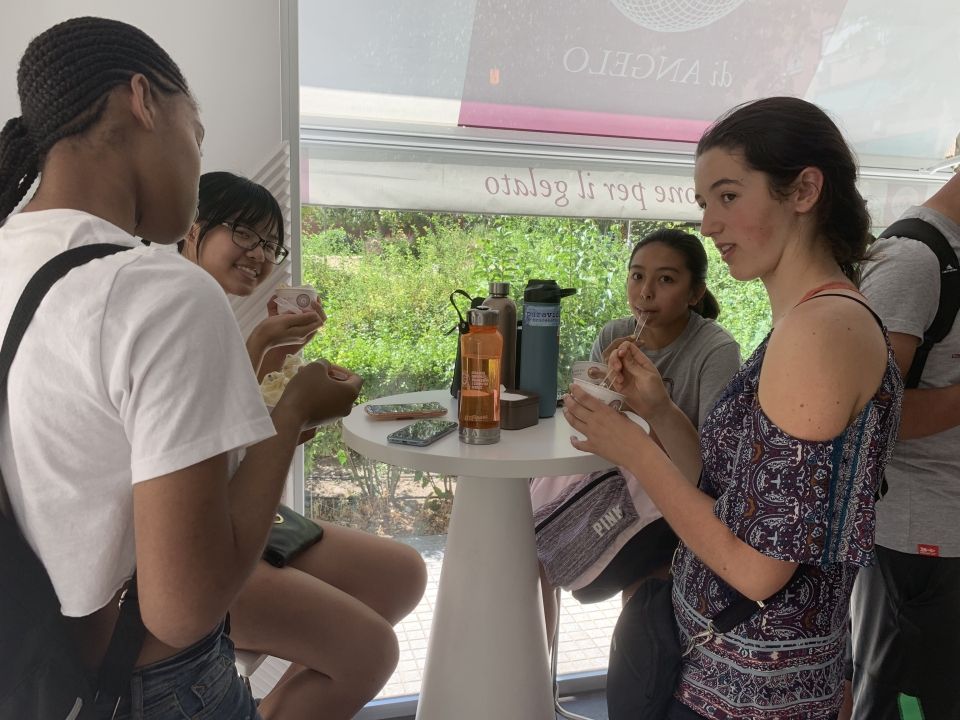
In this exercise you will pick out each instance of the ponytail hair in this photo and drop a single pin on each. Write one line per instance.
(695, 258)
(708, 306)
(63, 81)
(780, 136)
(19, 164)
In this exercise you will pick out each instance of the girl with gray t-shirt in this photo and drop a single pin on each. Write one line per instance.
(666, 291)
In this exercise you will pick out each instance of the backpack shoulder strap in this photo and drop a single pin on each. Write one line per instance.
(26, 308)
(33, 294)
(924, 232)
(128, 633)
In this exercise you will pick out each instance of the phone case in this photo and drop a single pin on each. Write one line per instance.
(406, 415)
(398, 439)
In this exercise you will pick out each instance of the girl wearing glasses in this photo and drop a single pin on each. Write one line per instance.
(238, 239)
(331, 610)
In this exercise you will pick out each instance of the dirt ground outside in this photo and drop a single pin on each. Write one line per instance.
(417, 507)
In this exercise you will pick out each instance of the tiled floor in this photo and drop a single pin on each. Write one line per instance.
(584, 633)
(584, 629)
(592, 706)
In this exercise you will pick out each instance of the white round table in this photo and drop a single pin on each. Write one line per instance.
(487, 654)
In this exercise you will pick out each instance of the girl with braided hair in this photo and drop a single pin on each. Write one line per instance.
(132, 382)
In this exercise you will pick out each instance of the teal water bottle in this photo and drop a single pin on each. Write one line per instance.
(540, 341)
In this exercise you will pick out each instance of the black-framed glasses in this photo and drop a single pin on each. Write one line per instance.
(248, 239)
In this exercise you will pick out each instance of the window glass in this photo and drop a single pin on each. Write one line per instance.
(450, 143)
(385, 278)
(637, 68)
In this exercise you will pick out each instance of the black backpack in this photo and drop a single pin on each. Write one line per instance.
(41, 675)
(924, 232)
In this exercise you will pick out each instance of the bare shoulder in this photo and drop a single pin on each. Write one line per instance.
(825, 360)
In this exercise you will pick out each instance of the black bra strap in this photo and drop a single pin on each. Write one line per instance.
(848, 297)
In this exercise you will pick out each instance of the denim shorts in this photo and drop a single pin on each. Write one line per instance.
(199, 683)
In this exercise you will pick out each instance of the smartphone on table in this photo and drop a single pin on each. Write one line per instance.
(422, 432)
(406, 411)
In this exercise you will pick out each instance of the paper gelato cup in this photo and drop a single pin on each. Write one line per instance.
(294, 300)
(580, 370)
(611, 398)
(604, 394)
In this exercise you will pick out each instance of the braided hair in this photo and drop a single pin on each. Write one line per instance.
(64, 79)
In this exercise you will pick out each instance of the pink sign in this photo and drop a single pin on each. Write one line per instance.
(660, 69)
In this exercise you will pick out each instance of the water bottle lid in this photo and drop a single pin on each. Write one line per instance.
(545, 291)
(499, 289)
(482, 316)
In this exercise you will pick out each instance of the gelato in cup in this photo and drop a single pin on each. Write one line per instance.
(293, 300)
(274, 383)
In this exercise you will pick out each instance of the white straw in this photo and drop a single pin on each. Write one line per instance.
(636, 335)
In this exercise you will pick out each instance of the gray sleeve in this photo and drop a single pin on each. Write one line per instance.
(717, 370)
(596, 352)
(902, 282)
(611, 331)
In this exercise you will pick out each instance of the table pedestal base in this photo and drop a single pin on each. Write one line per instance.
(487, 655)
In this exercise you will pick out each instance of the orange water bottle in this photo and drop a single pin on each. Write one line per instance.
(480, 352)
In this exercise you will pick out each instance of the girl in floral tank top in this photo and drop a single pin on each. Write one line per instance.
(774, 500)
(797, 500)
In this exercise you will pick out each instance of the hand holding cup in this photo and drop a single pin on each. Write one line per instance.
(636, 378)
(600, 428)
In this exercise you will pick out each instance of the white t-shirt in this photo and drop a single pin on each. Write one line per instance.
(132, 368)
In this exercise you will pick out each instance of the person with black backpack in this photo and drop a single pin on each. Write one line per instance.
(124, 382)
(906, 609)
